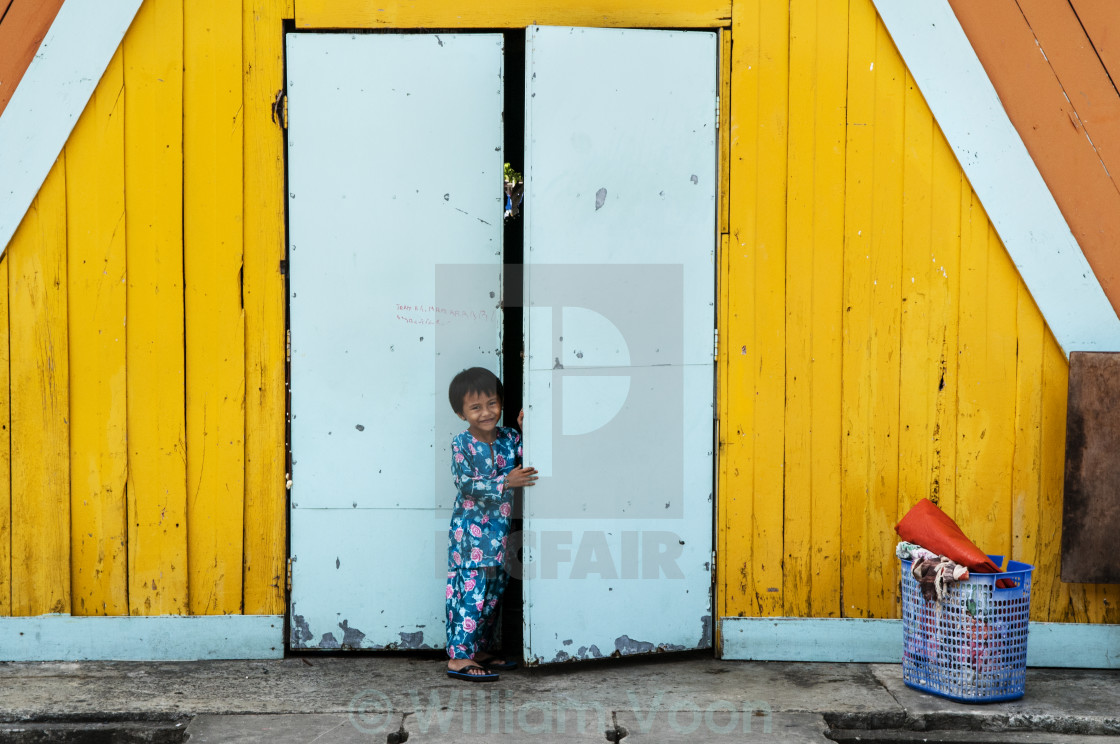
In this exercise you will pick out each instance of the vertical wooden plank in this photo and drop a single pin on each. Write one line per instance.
(886, 301)
(800, 255)
(157, 479)
(265, 515)
(856, 369)
(5, 452)
(96, 300)
(215, 324)
(828, 312)
(1027, 456)
(1049, 596)
(40, 403)
(725, 126)
(943, 286)
(769, 307)
(815, 219)
(736, 507)
(725, 596)
(987, 388)
(921, 350)
(972, 368)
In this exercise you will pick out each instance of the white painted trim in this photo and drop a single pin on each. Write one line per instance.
(141, 638)
(1020, 206)
(52, 95)
(1070, 645)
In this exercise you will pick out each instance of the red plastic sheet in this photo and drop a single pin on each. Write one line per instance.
(934, 530)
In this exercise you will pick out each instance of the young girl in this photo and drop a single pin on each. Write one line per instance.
(485, 460)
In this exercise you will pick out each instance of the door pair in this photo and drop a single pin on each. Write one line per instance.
(395, 163)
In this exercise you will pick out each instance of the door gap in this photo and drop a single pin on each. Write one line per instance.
(512, 297)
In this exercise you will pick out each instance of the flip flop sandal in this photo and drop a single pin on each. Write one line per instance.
(504, 666)
(464, 673)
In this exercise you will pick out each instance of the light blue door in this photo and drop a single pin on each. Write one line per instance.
(620, 282)
(395, 222)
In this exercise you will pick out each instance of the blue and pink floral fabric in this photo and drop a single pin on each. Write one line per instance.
(479, 530)
(481, 517)
(472, 609)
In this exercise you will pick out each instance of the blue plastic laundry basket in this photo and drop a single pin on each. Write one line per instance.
(971, 645)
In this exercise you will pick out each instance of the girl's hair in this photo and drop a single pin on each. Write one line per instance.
(474, 380)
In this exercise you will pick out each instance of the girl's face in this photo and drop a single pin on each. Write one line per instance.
(482, 411)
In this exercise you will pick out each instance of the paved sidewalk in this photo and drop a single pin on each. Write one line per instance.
(666, 699)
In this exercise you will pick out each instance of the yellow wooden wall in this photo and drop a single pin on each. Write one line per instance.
(142, 394)
(878, 345)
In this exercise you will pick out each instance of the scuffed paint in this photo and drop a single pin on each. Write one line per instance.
(301, 632)
(706, 633)
(625, 646)
(584, 652)
(352, 637)
(328, 641)
(412, 640)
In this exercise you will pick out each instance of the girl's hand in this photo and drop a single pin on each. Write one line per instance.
(521, 477)
(521, 419)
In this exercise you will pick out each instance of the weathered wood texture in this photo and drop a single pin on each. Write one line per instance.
(1055, 65)
(877, 343)
(1091, 507)
(142, 219)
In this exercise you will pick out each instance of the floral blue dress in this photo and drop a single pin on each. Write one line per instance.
(479, 530)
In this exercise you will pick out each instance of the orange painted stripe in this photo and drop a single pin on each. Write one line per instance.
(22, 31)
(1064, 108)
(1082, 75)
(1102, 24)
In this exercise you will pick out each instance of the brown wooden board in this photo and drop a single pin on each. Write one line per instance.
(1091, 511)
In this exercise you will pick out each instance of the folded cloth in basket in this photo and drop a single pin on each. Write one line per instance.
(934, 575)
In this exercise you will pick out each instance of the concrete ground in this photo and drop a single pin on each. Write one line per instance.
(664, 699)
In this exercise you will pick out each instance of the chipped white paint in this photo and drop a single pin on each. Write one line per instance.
(52, 95)
(395, 219)
(620, 236)
(141, 638)
(1022, 209)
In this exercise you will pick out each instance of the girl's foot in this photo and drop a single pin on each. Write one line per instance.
(460, 665)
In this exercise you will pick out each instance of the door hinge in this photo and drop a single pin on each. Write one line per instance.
(715, 344)
(288, 345)
(717, 112)
(289, 584)
(280, 109)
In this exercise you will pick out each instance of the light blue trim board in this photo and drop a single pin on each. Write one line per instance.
(1069, 645)
(141, 638)
(52, 95)
(989, 149)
